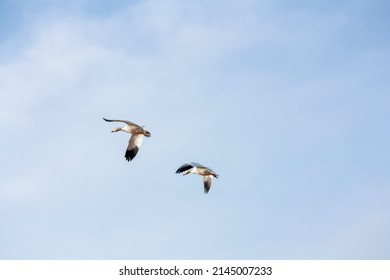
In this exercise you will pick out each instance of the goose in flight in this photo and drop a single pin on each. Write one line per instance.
(196, 168)
(137, 136)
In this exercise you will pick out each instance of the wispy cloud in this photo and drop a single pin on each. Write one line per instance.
(271, 96)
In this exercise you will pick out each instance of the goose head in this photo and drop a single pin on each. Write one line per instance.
(116, 129)
(146, 132)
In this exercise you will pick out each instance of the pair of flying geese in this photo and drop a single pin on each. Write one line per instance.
(138, 133)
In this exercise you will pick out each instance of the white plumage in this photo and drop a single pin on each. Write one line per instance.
(196, 168)
(138, 134)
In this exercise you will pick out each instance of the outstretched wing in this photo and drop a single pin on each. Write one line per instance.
(124, 121)
(207, 183)
(135, 143)
(194, 164)
(184, 167)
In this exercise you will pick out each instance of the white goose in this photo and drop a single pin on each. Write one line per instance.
(137, 136)
(196, 168)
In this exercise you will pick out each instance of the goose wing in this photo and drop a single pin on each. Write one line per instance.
(185, 167)
(194, 164)
(124, 121)
(135, 143)
(207, 183)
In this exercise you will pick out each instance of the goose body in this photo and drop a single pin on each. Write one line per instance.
(196, 168)
(138, 133)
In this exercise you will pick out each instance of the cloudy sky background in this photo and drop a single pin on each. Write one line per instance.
(287, 101)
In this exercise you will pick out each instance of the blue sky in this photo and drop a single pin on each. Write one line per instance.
(287, 102)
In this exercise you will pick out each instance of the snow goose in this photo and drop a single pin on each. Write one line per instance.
(137, 136)
(196, 168)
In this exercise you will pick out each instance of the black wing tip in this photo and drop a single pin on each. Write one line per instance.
(180, 170)
(128, 158)
(130, 154)
(106, 119)
(184, 168)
